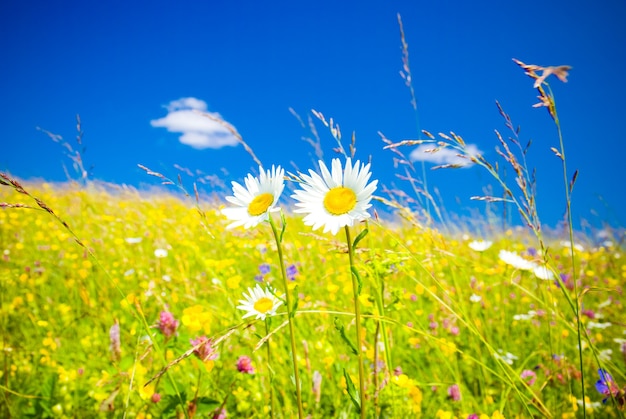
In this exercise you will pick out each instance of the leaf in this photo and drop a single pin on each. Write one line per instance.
(360, 237)
(283, 226)
(359, 281)
(342, 333)
(292, 312)
(354, 395)
(206, 404)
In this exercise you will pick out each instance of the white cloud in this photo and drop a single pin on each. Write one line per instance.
(444, 155)
(196, 130)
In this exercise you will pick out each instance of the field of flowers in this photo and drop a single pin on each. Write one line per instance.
(116, 302)
(451, 326)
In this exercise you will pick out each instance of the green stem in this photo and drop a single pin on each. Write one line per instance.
(269, 367)
(568, 201)
(357, 314)
(290, 318)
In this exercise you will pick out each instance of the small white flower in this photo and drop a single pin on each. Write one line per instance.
(542, 272)
(133, 240)
(259, 303)
(524, 317)
(605, 355)
(516, 261)
(475, 298)
(160, 253)
(597, 325)
(480, 245)
(568, 244)
(508, 357)
(335, 199)
(254, 202)
(590, 406)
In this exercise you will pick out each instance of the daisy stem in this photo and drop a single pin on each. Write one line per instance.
(271, 372)
(357, 314)
(290, 316)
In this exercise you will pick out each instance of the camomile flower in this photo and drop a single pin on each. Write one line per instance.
(337, 198)
(480, 245)
(254, 202)
(516, 261)
(259, 303)
(543, 272)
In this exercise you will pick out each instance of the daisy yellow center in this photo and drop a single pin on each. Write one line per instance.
(260, 204)
(340, 200)
(263, 305)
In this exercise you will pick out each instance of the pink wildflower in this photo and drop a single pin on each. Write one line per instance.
(244, 364)
(531, 375)
(204, 349)
(454, 392)
(167, 324)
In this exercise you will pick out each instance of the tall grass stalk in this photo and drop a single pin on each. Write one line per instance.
(356, 286)
(291, 312)
(270, 371)
(568, 187)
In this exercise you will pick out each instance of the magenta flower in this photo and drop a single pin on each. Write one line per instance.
(454, 392)
(204, 348)
(531, 375)
(244, 364)
(114, 338)
(167, 324)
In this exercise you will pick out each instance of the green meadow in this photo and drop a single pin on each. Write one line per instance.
(116, 302)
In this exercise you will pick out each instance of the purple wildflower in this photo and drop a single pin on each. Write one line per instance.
(317, 386)
(203, 348)
(167, 324)
(292, 271)
(114, 337)
(264, 268)
(220, 413)
(589, 313)
(606, 385)
(244, 364)
(531, 375)
(454, 392)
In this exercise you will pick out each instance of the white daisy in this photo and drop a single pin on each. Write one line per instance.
(338, 198)
(516, 261)
(259, 303)
(475, 298)
(160, 253)
(480, 245)
(543, 272)
(254, 202)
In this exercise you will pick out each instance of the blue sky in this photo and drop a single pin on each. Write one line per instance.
(133, 71)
